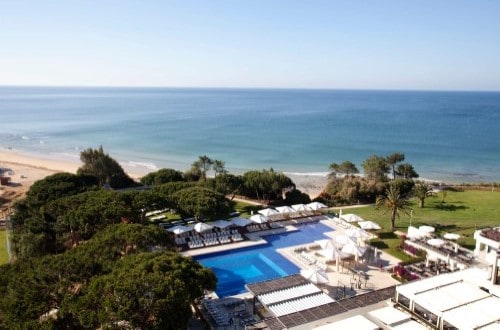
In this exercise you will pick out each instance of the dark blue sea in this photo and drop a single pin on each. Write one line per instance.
(450, 136)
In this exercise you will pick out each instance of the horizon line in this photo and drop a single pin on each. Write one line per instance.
(253, 88)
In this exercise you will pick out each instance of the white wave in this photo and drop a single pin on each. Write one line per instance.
(24, 137)
(149, 166)
(320, 174)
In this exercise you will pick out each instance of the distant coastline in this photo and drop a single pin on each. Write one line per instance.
(447, 136)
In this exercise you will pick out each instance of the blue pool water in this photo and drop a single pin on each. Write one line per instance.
(236, 268)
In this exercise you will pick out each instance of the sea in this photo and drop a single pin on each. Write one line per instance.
(447, 136)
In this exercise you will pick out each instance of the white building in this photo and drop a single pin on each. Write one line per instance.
(488, 250)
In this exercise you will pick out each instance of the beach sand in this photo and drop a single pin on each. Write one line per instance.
(25, 169)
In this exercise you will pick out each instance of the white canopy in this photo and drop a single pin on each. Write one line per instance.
(414, 233)
(258, 218)
(426, 229)
(325, 243)
(316, 276)
(369, 225)
(179, 229)
(437, 242)
(354, 249)
(358, 233)
(451, 236)
(201, 227)
(316, 206)
(221, 224)
(285, 209)
(267, 212)
(342, 240)
(240, 222)
(349, 217)
(300, 208)
(333, 253)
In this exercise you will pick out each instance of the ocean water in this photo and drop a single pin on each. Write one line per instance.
(450, 136)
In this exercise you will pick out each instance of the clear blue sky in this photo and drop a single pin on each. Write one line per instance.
(443, 45)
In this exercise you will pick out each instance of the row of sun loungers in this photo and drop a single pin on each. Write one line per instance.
(288, 293)
(297, 305)
(308, 258)
(215, 240)
(252, 228)
(219, 317)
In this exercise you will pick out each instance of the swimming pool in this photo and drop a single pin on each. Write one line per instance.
(236, 268)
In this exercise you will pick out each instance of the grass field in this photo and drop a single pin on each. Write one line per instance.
(4, 258)
(458, 212)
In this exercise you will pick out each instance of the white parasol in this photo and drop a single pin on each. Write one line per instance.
(267, 212)
(201, 227)
(316, 276)
(316, 206)
(258, 218)
(177, 230)
(351, 217)
(369, 225)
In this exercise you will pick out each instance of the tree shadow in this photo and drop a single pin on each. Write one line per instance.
(387, 235)
(450, 207)
(379, 244)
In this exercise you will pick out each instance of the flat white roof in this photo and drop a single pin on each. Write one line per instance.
(357, 322)
(389, 315)
(475, 314)
(409, 325)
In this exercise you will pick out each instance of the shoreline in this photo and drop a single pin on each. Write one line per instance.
(29, 168)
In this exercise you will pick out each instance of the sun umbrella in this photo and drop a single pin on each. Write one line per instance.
(325, 243)
(368, 225)
(342, 240)
(426, 229)
(267, 212)
(177, 230)
(451, 236)
(437, 242)
(358, 233)
(300, 208)
(241, 222)
(285, 209)
(201, 227)
(414, 233)
(316, 276)
(351, 217)
(258, 218)
(221, 224)
(353, 249)
(333, 253)
(316, 206)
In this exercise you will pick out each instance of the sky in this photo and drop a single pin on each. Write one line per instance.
(424, 45)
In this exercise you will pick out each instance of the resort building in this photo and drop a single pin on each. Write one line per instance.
(488, 250)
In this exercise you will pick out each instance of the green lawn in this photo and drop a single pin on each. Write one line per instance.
(246, 209)
(4, 258)
(461, 213)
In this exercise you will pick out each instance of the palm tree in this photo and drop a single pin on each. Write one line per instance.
(421, 191)
(204, 162)
(393, 202)
(219, 167)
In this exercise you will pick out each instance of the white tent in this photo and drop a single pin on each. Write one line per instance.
(414, 233)
(300, 208)
(179, 229)
(325, 243)
(451, 236)
(201, 227)
(351, 217)
(358, 233)
(258, 218)
(354, 249)
(426, 229)
(267, 212)
(437, 242)
(369, 225)
(285, 209)
(316, 206)
(221, 224)
(240, 222)
(316, 276)
(342, 240)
